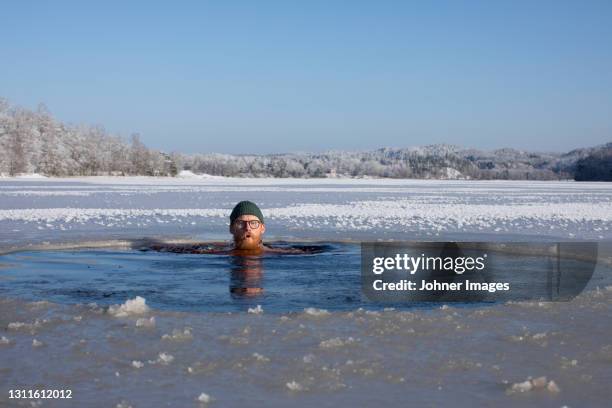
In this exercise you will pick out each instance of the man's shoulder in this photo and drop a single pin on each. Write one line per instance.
(190, 248)
(283, 250)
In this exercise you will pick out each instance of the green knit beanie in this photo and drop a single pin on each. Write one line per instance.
(246, 208)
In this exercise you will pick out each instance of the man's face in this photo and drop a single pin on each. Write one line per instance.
(245, 236)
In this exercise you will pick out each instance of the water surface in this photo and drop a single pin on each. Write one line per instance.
(329, 279)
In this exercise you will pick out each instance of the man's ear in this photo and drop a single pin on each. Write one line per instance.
(263, 228)
(231, 229)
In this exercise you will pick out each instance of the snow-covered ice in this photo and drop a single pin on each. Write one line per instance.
(131, 307)
(464, 354)
(53, 210)
(518, 353)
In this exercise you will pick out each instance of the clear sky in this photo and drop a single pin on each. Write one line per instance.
(268, 77)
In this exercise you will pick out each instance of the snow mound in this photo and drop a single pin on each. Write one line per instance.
(336, 342)
(165, 358)
(179, 335)
(255, 310)
(30, 176)
(204, 398)
(313, 311)
(136, 306)
(191, 175)
(295, 386)
(535, 384)
(260, 357)
(146, 323)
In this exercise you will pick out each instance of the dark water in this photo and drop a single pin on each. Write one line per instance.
(329, 279)
(188, 282)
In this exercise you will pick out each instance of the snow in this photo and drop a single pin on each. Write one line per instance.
(30, 176)
(313, 311)
(416, 352)
(553, 387)
(260, 357)
(204, 398)
(255, 310)
(336, 342)
(179, 335)
(131, 307)
(137, 364)
(452, 174)
(190, 175)
(165, 358)
(539, 383)
(70, 209)
(522, 386)
(317, 351)
(295, 386)
(146, 323)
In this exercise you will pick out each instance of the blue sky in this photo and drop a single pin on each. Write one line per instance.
(267, 77)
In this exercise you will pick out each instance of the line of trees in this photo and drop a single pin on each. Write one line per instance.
(430, 162)
(597, 166)
(35, 142)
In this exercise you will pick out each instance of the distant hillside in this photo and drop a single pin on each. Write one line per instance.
(429, 162)
(595, 166)
(35, 142)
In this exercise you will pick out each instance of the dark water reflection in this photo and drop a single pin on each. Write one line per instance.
(246, 276)
(328, 277)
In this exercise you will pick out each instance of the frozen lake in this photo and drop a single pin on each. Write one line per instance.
(330, 279)
(481, 356)
(94, 208)
(124, 328)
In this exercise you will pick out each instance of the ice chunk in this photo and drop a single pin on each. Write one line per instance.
(30, 176)
(539, 382)
(295, 386)
(136, 306)
(522, 386)
(534, 384)
(179, 335)
(336, 342)
(260, 357)
(255, 310)
(204, 398)
(553, 387)
(165, 358)
(22, 325)
(313, 311)
(308, 358)
(146, 323)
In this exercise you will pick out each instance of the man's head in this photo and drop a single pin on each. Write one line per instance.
(247, 225)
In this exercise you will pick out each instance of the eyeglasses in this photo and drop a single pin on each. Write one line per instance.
(254, 224)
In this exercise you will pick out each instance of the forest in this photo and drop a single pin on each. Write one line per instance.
(36, 142)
